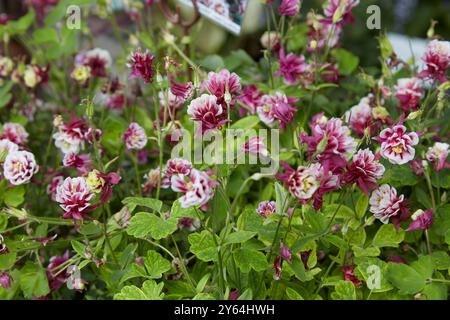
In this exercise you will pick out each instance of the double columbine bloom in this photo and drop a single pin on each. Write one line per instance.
(74, 195)
(397, 145)
(437, 61)
(266, 208)
(135, 137)
(276, 108)
(206, 111)
(96, 62)
(70, 136)
(385, 203)
(19, 167)
(437, 155)
(141, 65)
(409, 92)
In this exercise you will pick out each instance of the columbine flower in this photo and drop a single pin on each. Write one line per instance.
(250, 97)
(285, 253)
(74, 196)
(437, 60)
(94, 181)
(183, 91)
(55, 278)
(197, 188)
(266, 208)
(189, 223)
(98, 60)
(102, 183)
(6, 147)
(385, 204)
(207, 112)
(422, 220)
(14, 132)
(178, 166)
(141, 65)
(271, 40)
(255, 146)
(277, 107)
(289, 8)
(5, 280)
(437, 155)
(291, 67)
(70, 136)
(397, 145)
(151, 180)
(331, 143)
(339, 12)
(34, 75)
(221, 84)
(349, 275)
(53, 186)
(409, 93)
(81, 74)
(364, 171)
(359, 117)
(311, 183)
(135, 137)
(19, 167)
(72, 160)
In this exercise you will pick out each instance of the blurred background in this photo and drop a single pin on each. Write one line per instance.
(411, 18)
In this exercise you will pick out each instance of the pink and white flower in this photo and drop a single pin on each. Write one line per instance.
(437, 60)
(70, 136)
(72, 160)
(255, 146)
(7, 147)
(75, 196)
(98, 60)
(19, 167)
(141, 65)
(292, 67)
(178, 166)
(198, 188)
(421, 220)
(289, 8)
(339, 12)
(207, 111)
(359, 117)
(135, 137)
(397, 145)
(365, 170)
(183, 91)
(276, 107)
(221, 84)
(385, 203)
(331, 143)
(14, 132)
(52, 187)
(266, 208)
(408, 92)
(437, 155)
(151, 180)
(251, 97)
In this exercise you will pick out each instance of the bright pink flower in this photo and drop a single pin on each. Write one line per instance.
(409, 93)
(55, 278)
(183, 91)
(311, 183)
(53, 186)
(437, 155)
(74, 196)
(72, 160)
(289, 8)
(277, 107)
(234, 295)
(339, 12)
(5, 280)
(285, 253)
(397, 145)
(151, 180)
(98, 60)
(141, 65)
(437, 60)
(251, 97)
(207, 111)
(19, 167)
(421, 220)
(292, 67)
(197, 188)
(14, 132)
(364, 171)
(330, 143)
(359, 117)
(385, 204)
(266, 208)
(222, 83)
(255, 146)
(349, 275)
(135, 137)
(178, 166)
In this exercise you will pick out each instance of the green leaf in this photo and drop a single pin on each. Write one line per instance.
(361, 206)
(150, 291)
(144, 223)
(247, 259)
(202, 283)
(7, 260)
(14, 197)
(387, 236)
(178, 212)
(399, 176)
(154, 204)
(405, 278)
(346, 60)
(212, 62)
(345, 290)
(45, 35)
(79, 247)
(239, 237)
(366, 252)
(33, 281)
(280, 196)
(435, 291)
(246, 123)
(424, 266)
(293, 295)
(203, 246)
(155, 264)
